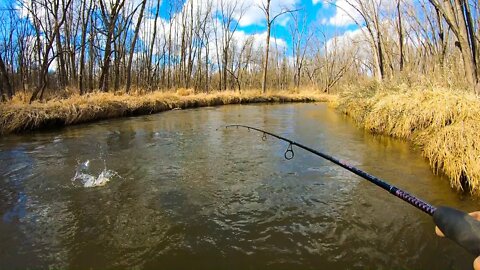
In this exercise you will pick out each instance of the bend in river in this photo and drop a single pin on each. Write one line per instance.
(171, 191)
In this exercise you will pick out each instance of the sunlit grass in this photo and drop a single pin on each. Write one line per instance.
(18, 115)
(444, 123)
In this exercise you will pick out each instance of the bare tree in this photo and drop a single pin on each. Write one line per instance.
(109, 16)
(47, 30)
(115, 44)
(85, 14)
(60, 52)
(5, 81)
(231, 13)
(400, 35)
(91, 52)
(132, 46)
(300, 41)
(460, 20)
(7, 33)
(152, 44)
(369, 11)
(336, 63)
(265, 7)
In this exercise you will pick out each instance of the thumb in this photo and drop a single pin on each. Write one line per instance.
(476, 263)
(439, 232)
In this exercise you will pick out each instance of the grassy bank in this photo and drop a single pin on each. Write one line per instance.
(444, 123)
(19, 116)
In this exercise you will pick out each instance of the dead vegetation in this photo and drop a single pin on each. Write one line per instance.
(18, 115)
(443, 122)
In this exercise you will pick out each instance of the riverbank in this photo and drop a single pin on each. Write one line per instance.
(443, 123)
(19, 116)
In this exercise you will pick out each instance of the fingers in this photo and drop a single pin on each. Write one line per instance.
(475, 215)
(476, 264)
(439, 232)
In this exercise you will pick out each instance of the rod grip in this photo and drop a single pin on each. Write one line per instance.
(459, 227)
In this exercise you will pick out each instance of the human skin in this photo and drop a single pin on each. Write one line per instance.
(476, 215)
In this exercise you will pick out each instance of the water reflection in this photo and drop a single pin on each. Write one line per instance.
(192, 196)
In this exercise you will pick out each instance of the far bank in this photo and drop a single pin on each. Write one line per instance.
(18, 116)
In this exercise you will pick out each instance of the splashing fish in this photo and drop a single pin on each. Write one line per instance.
(85, 177)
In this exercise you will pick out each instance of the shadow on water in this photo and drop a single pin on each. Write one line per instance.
(191, 196)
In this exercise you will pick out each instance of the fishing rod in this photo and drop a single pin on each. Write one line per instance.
(455, 224)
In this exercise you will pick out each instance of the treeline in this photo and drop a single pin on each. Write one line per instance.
(64, 46)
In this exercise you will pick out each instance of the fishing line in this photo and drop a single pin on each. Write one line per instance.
(289, 155)
(455, 224)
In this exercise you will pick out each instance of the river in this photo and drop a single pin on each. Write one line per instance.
(176, 190)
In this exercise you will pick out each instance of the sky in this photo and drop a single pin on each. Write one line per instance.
(331, 19)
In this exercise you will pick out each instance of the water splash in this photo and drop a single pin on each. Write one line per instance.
(85, 175)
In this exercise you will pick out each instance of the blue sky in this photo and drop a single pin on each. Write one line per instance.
(330, 19)
(325, 16)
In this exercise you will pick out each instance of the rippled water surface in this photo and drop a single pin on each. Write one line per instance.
(183, 195)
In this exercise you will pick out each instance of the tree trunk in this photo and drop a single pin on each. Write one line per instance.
(116, 64)
(132, 47)
(91, 56)
(83, 39)
(225, 67)
(465, 46)
(207, 70)
(455, 13)
(62, 71)
(104, 78)
(70, 47)
(45, 59)
(267, 48)
(152, 45)
(5, 84)
(110, 19)
(400, 35)
(169, 53)
(470, 29)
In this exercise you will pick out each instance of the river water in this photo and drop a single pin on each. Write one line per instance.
(170, 191)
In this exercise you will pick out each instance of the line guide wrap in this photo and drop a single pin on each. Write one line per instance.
(455, 224)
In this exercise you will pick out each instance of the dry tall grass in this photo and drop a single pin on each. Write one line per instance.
(18, 115)
(444, 123)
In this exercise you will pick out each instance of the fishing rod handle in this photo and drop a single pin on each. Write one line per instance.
(459, 227)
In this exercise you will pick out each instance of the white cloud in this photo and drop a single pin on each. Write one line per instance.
(240, 38)
(345, 14)
(283, 21)
(253, 14)
(347, 39)
(353, 43)
(246, 12)
(259, 40)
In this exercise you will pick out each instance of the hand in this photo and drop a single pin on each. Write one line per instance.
(475, 215)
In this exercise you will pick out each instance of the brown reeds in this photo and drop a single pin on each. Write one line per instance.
(444, 123)
(19, 116)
